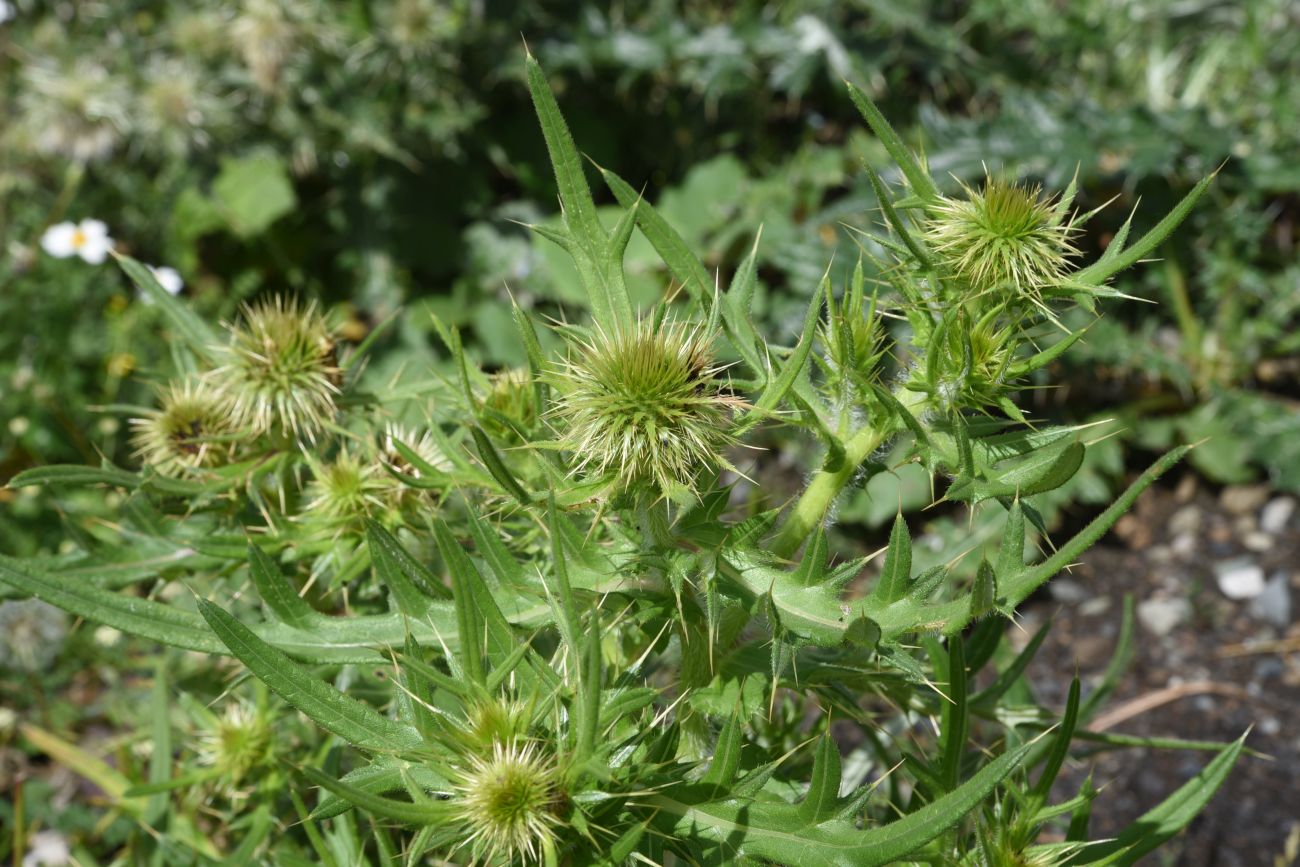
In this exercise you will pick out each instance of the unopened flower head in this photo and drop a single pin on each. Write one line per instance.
(645, 405)
(280, 370)
(400, 496)
(239, 742)
(421, 444)
(266, 34)
(188, 432)
(509, 406)
(1003, 236)
(343, 492)
(510, 803)
(88, 239)
(177, 112)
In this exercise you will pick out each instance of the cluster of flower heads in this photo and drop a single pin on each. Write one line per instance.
(276, 385)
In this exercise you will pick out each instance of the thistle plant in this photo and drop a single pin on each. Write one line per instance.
(533, 659)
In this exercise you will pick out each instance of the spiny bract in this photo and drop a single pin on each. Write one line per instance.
(1004, 236)
(280, 370)
(645, 404)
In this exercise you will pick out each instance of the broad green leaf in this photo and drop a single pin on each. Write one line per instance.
(253, 192)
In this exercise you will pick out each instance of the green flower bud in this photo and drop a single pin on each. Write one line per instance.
(510, 803)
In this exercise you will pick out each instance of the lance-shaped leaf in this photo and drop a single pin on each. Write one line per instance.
(1168, 818)
(1102, 270)
(685, 266)
(355, 722)
(276, 591)
(916, 176)
(197, 334)
(823, 799)
(897, 571)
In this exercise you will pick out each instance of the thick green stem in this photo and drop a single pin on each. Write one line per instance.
(821, 492)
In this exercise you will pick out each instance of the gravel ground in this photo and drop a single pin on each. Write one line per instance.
(1214, 574)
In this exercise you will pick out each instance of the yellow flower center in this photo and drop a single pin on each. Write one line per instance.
(78, 239)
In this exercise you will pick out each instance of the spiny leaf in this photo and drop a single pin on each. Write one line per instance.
(726, 754)
(1100, 271)
(823, 798)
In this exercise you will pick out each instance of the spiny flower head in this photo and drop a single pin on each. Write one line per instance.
(422, 444)
(280, 369)
(645, 404)
(1004, 236)
(510, 802)
(188, 432)
(238, 742)
(509, 405)
(401, 496)
(343, 492)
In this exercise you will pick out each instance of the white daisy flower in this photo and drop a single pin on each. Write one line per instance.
(88, 239)
(168, 278)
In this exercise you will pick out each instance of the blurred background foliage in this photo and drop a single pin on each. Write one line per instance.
(383, 155)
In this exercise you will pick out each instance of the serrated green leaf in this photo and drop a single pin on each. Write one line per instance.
(354, 721)
(897, 572)
(276, 591)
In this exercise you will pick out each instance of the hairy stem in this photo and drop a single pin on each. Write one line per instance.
(816, 500)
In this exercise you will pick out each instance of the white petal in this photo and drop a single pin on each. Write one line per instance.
(168, 278)
(94, 230)
(59, 240)
(95, 250)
